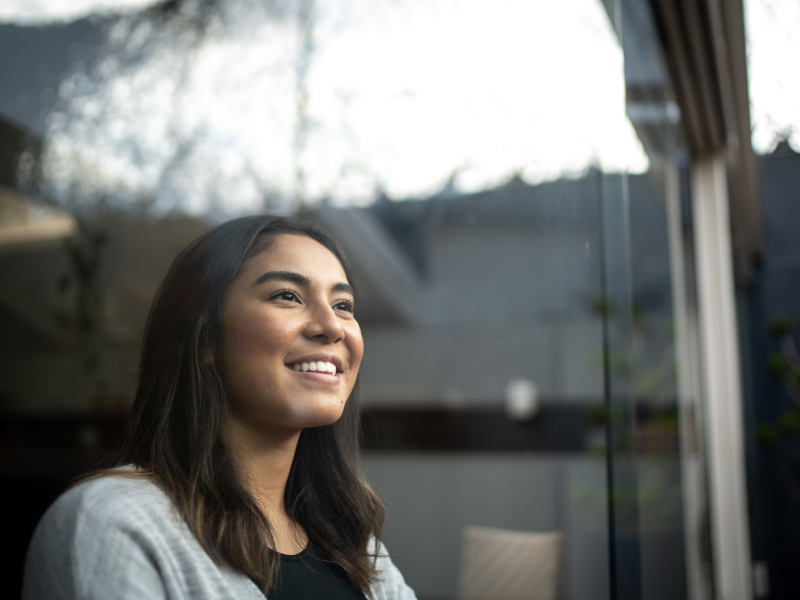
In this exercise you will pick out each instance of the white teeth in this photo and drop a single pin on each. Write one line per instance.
(321, 366)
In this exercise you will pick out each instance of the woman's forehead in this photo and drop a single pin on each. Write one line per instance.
(299, 254)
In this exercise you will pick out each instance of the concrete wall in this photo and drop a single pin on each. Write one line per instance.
(430, 498)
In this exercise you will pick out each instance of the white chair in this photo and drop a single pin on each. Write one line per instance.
(501, 564)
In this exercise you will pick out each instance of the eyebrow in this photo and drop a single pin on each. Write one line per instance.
(299, 279)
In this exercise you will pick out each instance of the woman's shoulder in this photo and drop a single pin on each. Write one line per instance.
(118, 536)
(113, 512)
(117, 495)
(389, 584)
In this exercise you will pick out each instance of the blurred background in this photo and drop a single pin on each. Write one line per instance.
(573, 226)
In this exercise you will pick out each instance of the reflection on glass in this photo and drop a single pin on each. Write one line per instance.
(233, 106)
(506, 221)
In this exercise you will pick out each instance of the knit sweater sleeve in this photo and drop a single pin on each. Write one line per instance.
(119, 538)
(390, 584)
(90, 545)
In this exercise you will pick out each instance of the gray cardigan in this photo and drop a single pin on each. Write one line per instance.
(121, 538)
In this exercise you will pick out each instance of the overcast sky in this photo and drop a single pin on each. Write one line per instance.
(773, 30)
(773, 35)
(38, 12)
(402, 95)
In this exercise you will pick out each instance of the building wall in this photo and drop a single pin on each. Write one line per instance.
(512, 280)
(431, 498)
(775, 291)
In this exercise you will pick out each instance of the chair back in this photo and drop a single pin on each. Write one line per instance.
(502, 564)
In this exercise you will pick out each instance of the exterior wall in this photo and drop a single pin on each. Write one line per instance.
(430, 498)
(775, 291)
(512, 275)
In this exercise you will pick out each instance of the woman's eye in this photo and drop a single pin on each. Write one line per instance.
(345, 305)
(287, 295)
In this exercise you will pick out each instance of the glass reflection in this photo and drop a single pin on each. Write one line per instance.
(504, 214)
(233, 106)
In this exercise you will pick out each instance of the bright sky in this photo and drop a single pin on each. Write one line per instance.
(773, 40)
(29, 12)
(773, 49)
(402, 95)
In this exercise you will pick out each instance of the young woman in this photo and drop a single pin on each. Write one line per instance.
(238, 474)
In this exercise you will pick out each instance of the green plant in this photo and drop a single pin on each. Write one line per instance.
(82, 293)
(782, 435)
(80, 286)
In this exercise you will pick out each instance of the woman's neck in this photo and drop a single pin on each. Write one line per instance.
(264, 463)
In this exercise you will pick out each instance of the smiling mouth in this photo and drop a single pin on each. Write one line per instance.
(318, 366)
(323, 376)
(326, 374)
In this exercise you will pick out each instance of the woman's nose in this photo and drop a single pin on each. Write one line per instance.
(323, 323)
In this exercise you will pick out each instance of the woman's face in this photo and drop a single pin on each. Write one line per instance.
(291, 346)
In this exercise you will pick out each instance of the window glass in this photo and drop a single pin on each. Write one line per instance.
(500, 175)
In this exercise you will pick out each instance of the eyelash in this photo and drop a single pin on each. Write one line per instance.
(351, 307)
(278, 294)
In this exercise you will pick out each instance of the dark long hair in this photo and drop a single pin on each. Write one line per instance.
(175, 436)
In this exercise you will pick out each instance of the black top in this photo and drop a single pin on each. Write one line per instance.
(305, 577)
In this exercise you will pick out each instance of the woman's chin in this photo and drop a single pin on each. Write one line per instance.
(329, 417)
(317, 416)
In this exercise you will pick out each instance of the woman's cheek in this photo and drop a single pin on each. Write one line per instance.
(356, 348)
